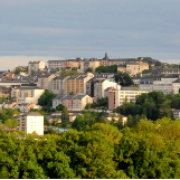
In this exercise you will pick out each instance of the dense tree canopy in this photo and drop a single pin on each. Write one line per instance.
(148, 150)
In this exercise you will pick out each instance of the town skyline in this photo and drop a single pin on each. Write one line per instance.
(42, 30)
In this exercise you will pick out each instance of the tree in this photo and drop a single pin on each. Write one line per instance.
(45, 99)
(65, 116)
(123, 79)
(106, 69)
(10, 124)
(59, 107)
(79, 123)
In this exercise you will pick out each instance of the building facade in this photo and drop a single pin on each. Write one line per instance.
(32, 122)
(35, 66)
(119, 95)
(26, 94)
(72, 102)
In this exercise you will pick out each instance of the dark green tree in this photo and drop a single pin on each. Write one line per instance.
(65, 116)
(123, 79)
(45, 99)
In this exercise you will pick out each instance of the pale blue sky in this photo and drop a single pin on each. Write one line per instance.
(47, 29)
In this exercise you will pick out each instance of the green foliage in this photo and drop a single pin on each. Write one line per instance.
(89, 70)
(106, 69)
(72, 72)
(60, 107)
(18, 70)
(45, 99)
(152, 106)
(65, 116)
(123, 79)
(101, 102)
(149, 150)
(6, 114)
(10, 124)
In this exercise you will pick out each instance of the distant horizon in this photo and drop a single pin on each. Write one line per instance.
(11, 62)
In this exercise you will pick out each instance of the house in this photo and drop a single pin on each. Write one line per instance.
(26, 107)
(32, 122)
(73, 102)
(10, 105)
(56, 117)
(26, 94)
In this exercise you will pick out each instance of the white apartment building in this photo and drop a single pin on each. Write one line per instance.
(35, 66)
(44, 81)
(32, 122)
(100, 85)
(119, 95)
(26, 94)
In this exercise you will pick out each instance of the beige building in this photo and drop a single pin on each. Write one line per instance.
(77, 84)
(32, 122)
(58, 85)
(73, 102)
(26, 94)
(44, 81)
(133, 68)
(35, 66)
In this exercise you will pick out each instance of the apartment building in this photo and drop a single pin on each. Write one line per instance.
(35, 66)
(77, 84)
(58, 85)
(100, 85)
(56, 64)
(26, 94)
(32, 122)
(118, 95)
(59, 64)
(73, 102)
(44, 81)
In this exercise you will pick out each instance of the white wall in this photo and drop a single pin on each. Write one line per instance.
(35, 124)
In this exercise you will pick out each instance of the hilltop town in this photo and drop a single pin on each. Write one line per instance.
(104, 86)
(90, 118)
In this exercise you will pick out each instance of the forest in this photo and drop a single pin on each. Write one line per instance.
(150, 149)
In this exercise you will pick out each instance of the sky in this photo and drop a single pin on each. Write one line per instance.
(61, 29)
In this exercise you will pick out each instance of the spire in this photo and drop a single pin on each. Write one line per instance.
(106, 56)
